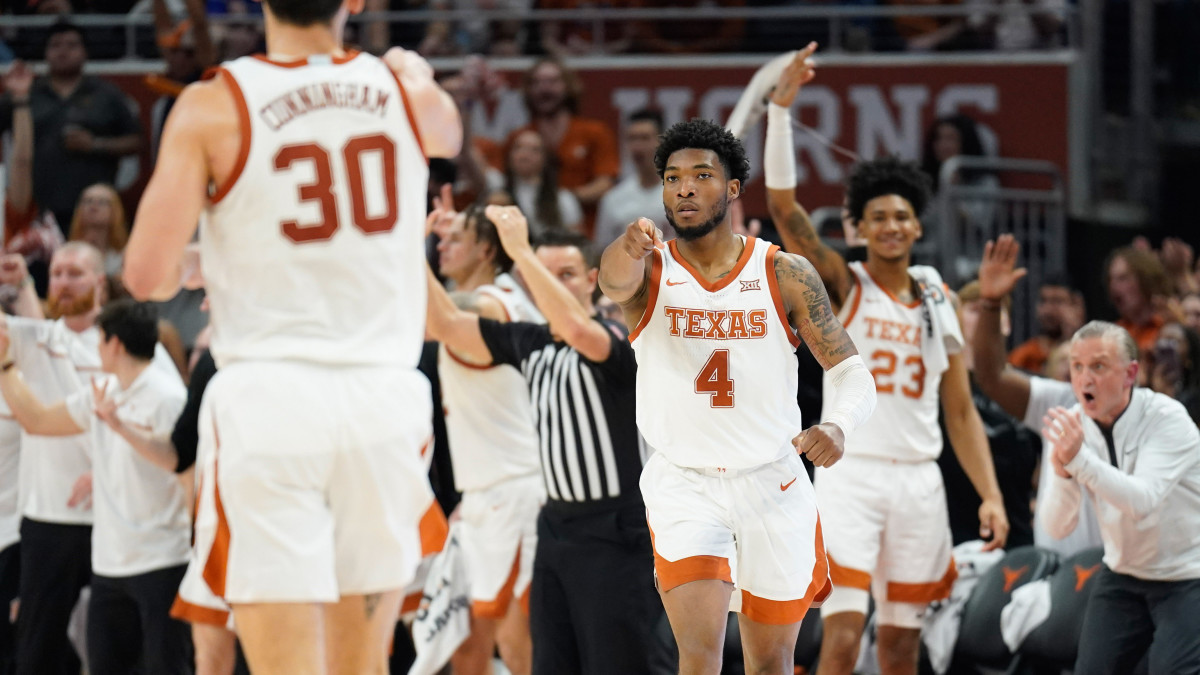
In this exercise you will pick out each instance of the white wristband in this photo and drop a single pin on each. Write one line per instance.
(853, 395)
(779, 156)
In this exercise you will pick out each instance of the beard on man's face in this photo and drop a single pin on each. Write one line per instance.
(699, 231)
(56, 307)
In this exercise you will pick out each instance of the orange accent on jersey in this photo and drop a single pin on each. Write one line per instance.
(911, 305)
(1082, 574)
(856, 291)
(672, 574)
(893, 331)
(474, 366)
(882, 371)
(714, 380)
(717, 324)
(784, 486)
(672, 282)
(848, 576)
(723, 281)
(656, 265)
(186, 611)
(781, 612)
(412, 119)
(777, 297)
(434, 530)
(244, 129)
(348, 56)
(924, 593)
(217, 565)
(498, 607)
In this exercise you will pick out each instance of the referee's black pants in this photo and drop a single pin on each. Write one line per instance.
(10, 575)
(1127, 616)
(593, 607)
(130, 629)
(56, 563)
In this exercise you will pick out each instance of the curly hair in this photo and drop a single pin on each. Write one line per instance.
(704, 135)
(886, 176)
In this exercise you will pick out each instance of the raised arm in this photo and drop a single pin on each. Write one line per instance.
(454, 327)
(33, 416)
(567, 318)
(999, 381)
(13, 272)
(809, 312)
(625, 268)
(17, 83)
(779, 161)
(438, 121)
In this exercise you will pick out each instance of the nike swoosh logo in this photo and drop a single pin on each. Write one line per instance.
(783, 487)
(675, 283)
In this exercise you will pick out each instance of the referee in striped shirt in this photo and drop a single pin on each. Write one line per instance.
(593, 606)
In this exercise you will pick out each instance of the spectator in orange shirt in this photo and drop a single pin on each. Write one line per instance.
(1060, 312)
(588, 162)
(1137, 283)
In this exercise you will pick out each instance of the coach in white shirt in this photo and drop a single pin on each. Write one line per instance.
(1135, 456)
(1137, 453)
(140, 539)
(58, 357)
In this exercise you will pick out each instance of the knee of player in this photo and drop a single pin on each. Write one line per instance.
(839, 640)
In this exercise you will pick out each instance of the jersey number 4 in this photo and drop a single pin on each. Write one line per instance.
(714, 380)
(321, 189)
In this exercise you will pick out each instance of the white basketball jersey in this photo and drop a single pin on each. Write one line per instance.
(489, 419)
(889, 335)
(716, 382)
(314, 249)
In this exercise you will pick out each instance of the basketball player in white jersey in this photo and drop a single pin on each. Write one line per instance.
(886, 524)
(309, 167)
(718, 318)
(494, 451)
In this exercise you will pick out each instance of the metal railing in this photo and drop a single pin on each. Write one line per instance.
(968, 215)
(836, 17)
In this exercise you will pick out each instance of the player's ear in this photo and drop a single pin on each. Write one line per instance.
(733, 189)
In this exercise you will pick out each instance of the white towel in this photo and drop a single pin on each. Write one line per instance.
(753, 102)
(943, 334)
(444, 619)
(1028, 608)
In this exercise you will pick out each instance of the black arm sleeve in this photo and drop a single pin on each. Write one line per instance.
(511, 343)
(186, 435)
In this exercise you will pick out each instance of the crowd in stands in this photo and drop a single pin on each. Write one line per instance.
(68, 131)
(1008, 25)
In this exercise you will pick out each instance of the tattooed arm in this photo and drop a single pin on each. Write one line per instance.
(853, 400)
(800, 236)
(809, 310)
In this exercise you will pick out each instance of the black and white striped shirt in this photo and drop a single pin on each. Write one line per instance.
(584, 411)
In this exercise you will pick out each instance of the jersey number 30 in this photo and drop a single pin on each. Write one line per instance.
(321, 189)
(714, 380)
